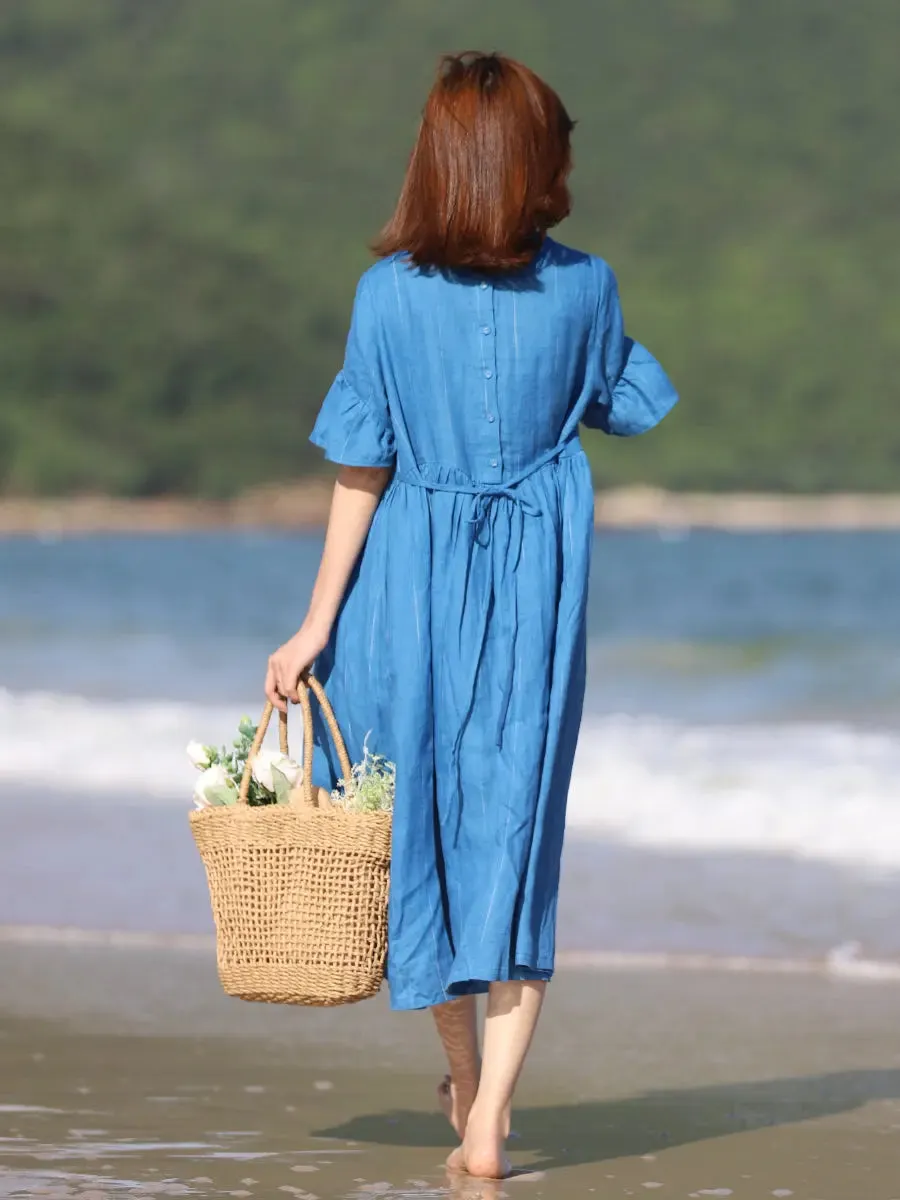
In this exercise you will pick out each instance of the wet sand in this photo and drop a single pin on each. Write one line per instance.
(126, 1072)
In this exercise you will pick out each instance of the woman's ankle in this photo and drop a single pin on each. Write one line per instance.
(490, 1115)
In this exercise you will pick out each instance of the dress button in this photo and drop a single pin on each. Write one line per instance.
(485, 329)
(484, 287)
(493, 462)
(491, 418)
(488, 374)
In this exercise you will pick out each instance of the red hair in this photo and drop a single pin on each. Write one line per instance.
(487, 176)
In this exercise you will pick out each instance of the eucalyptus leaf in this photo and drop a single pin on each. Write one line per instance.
(222, 794)
(282, 787)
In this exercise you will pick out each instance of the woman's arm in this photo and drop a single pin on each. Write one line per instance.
(356, 496)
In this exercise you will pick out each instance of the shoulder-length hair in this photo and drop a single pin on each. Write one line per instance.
(488, 173)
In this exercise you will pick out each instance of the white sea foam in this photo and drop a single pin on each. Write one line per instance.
(824, 792)
(810, 791)
(70, 744)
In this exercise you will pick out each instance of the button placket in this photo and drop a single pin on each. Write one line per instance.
(488, 329)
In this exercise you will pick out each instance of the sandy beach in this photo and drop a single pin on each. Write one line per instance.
(304, 505)
(127, 1072)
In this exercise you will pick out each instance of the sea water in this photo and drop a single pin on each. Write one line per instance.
(737, 783)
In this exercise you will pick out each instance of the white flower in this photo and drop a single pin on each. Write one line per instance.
(268, 761)
(199, 755)
(215, 786)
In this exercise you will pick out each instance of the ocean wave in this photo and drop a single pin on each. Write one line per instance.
(815, 791)
(818, 791)
(68, 743)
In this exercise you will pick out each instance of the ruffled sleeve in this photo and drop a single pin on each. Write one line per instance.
(631, 391)
(354, 425)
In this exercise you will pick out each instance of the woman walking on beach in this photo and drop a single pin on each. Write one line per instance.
(448, 617)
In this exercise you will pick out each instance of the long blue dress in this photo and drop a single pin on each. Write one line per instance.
(460, 646)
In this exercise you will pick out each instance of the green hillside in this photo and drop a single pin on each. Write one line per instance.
(188, 187)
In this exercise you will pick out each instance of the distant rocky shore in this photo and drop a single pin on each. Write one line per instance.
(305, 506)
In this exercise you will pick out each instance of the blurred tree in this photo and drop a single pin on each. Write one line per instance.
(188, 188)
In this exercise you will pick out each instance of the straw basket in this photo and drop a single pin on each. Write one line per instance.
(299, 892)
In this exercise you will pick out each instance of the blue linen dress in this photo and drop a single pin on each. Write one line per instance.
(460, 647)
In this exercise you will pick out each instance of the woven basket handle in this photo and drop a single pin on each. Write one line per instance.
(306, 684)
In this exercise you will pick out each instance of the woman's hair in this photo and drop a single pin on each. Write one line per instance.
(487, 175)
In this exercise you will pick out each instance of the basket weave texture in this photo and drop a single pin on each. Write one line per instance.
(299, 892)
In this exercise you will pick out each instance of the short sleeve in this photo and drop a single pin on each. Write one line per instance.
(632, 392)
(354, 425)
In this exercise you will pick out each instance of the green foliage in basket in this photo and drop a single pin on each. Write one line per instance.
(370, 787)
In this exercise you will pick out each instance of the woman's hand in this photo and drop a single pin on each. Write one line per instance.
(289, 662)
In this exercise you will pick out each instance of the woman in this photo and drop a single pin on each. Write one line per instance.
(448, 616)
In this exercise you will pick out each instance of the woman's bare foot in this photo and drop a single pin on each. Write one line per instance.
(456, 1100)
(482, 1152)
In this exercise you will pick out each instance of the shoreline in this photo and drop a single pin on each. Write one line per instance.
(836, 966)
(303, 506)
